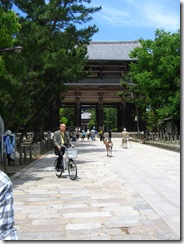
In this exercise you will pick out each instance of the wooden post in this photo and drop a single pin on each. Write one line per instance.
(24, 150)
(20, 159)
(30, 152)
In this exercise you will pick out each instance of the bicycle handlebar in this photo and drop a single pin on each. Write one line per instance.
(62, 145)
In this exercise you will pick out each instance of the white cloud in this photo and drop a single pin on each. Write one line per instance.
(160, 15)
(114, 16)
(141, 13)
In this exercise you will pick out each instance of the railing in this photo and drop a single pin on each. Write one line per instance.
(29, 136)
(166, 137)
(158, 137)
(28, 151)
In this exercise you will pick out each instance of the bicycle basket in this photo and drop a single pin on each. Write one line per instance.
(71, 153)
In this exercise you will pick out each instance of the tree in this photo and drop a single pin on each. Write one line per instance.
(54, 53)
(66, 116)
(92, 121)
(110, 118)
(9, 26)
(155, 78)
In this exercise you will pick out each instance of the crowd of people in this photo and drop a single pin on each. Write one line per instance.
(83, 134)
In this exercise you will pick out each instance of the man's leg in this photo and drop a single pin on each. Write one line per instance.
(123, 141)
(60, 159)
(126, 144)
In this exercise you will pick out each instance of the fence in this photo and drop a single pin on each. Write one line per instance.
(158, 137)
(28, 151)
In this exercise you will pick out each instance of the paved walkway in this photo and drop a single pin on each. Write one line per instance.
(134, 195)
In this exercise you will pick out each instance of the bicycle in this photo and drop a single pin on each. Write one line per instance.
(68, 163)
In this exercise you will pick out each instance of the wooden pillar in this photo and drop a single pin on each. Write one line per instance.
(77, 109)
(99, 116)
(121, 116)
(77, 114)
(99, 112)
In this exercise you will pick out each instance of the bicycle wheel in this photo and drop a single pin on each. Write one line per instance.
(58, 171)
(72, 169)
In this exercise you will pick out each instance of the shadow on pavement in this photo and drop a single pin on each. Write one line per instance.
(46, 163)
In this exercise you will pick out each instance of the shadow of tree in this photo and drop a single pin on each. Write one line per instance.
(46, 163)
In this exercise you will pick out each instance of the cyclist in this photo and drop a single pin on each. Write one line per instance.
(61, 137)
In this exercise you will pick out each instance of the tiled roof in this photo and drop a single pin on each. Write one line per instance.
(92, 84)
(111, 50)
(98, 80)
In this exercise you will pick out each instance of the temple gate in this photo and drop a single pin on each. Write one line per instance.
(108, 61)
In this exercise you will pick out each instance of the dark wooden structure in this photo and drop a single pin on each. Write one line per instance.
(108, 61)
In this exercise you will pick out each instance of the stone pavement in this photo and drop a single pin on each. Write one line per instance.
(134, 195)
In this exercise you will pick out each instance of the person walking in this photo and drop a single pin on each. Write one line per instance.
(7, 229)
(9, 145)
(61, 137)
(93, 134)
(88, 133)
(125, 138)
(83, 134)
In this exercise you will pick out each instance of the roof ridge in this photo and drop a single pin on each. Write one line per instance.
(113, 42)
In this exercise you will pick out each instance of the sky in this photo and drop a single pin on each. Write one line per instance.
(130, 20)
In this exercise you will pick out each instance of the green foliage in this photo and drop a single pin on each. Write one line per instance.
(66, 116)
(64, 120)
(110, 118)
(54, 53)
(92, 121)
(156, 78)
(9, 26)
